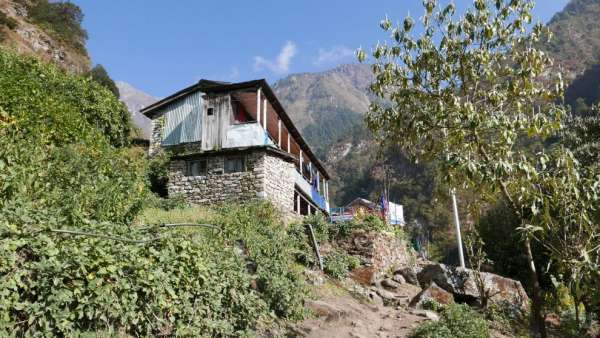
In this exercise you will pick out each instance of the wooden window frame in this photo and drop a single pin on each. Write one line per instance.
(189, 167)
(244, 164)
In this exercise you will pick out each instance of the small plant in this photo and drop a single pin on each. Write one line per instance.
(457, 320)
(338, 263)
(432, 305)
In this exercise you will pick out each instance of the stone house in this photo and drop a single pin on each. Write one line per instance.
(235, 142)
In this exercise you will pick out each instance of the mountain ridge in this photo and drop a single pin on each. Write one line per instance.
(135, 100)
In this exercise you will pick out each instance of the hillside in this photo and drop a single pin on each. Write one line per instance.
(326, 105)
(49, 31)
(576, 42)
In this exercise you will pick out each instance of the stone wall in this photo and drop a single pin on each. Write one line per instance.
(157, 135)
(380, 253)
(279, 183)
(267, 176)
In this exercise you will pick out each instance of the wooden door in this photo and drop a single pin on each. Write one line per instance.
(216, 117)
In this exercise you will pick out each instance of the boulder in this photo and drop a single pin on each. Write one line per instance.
(432, 293)
(399, 279)
(409, 275)
(463, 284)
(388, 283)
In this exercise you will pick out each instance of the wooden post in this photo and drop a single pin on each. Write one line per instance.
(258, 105)
(288, 141)
(327, 191)
(301, 171)
(315, 246)
(265, 112)
(298, 204)
(310, 173)
(279, 132)
(318, 182)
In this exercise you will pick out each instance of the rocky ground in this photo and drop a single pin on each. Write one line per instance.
(385, 297)
(342, 315)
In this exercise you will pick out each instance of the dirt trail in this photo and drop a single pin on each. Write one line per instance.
(339, 314)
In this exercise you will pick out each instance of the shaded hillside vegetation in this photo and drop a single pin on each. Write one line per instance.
(576, 41)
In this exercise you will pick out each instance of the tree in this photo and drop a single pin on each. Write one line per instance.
(466, 93)
(100, 75)
(61, 17)
(582, 135)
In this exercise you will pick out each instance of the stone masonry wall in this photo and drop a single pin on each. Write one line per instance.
(217, 186)
(279, 183)
(379, 253)
(267, 176)
(157, 134)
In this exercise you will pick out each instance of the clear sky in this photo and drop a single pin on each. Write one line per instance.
(162, 46)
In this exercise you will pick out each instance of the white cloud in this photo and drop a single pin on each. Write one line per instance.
(282, 64)
(333, 55)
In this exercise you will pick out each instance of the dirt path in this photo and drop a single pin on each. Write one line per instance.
(339, 314)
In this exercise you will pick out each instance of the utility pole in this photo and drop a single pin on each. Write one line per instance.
(457, 223)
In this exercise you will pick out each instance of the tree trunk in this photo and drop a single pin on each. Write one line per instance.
(537, 318)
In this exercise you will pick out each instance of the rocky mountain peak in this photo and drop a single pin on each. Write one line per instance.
(135, 100)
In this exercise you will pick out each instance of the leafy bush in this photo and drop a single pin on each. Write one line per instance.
(158, 173)
(172, 203)
(58, 108)
(338, 263)
(457, 320)
(270, 249)
(100, 75)
(180, 282)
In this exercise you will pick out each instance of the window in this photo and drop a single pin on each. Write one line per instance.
(235, 164)
(239, 114)
(196, 168)
(210, 111)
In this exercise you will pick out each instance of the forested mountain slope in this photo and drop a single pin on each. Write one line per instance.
(576, 36)
(329, 107)
(326, 105)
(49, 30)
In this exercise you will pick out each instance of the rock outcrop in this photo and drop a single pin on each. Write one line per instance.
(465, 285)
(29, 38)
(432, 293)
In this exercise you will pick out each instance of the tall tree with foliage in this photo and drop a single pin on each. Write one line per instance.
(100, 75)
(465, 92)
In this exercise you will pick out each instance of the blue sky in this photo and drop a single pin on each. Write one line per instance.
(162, 46)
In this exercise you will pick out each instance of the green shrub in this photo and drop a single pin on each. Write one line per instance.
(100, 75)
(174, 202)
(7, 21)
(54, 107)
(337, 264)
(457, 320)
(191, 281)
(158, 173)
(302, 250)
(270, 248)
